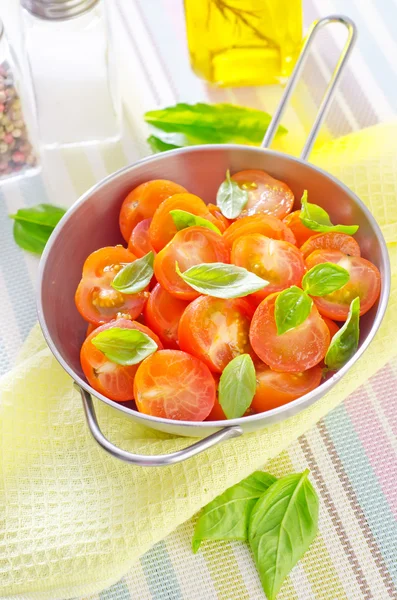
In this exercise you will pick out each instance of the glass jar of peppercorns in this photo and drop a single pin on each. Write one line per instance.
(17, 152)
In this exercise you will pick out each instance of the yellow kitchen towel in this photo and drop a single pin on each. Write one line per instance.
(73, 519)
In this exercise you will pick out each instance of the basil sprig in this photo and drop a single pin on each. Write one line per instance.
(237, 386)
(124, 346)
(316, 218)
(135, 276)
(183, 219)
(292, 307)
(33, 226)
(231, 198)
(345, 341)
(283, 524)
(221, 280)
(324, 279)
(227, 516)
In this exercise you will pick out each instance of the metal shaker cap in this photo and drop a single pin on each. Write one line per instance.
(57, 10)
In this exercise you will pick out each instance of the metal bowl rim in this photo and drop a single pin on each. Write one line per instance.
(323, 388)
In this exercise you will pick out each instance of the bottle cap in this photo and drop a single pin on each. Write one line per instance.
(57, 10)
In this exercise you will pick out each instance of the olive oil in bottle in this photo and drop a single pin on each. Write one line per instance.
(243, 42)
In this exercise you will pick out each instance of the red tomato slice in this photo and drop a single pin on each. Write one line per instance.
(277, 261)
(90, 329)
(300, 231)
(190, 246)
(143, 201)
(96, 300)
(219, 220)
(110, 379)
(364, 282)
(265, 194)
(294, 351)
(163, 313)
(174, 385)
(269, 226)
(332, 326)
(331, 241)
(216, 330)
(274, 389)
(162, 228)
(139, 243)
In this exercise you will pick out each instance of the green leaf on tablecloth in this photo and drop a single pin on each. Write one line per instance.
(33, 226)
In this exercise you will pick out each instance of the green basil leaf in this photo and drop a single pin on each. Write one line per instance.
(345, 341)
(30, 236)
(212, 123)
(158, 145)
(316, 218)
(41, 214)
(124, 346)
(221, 280)
(227, 516)
(135, 276)
(324, 279)
(282, 526)
(237, 386)
(183, 219)
(231, 198)
(291, 309)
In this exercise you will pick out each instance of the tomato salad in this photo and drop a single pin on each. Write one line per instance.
(222, 310)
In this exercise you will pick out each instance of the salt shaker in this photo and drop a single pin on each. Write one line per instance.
(71, 61)
(17, 153)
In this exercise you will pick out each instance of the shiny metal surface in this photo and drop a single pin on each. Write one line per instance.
(331, 88)
(92, 222)
(57, 10)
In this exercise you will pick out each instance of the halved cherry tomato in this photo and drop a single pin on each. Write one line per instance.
(110, 379)
(139, 243)
(143, 201)
(364, 282)
(274, 389)
(300, 231)
(162, 228)
(295, 350)
(331, 241)
(332, 326)
(269, 226)
(190, 246)
(279, 262)
(174, 385)
(222, 223)
(216, 330)
(265, 194)
(163, 313)
(96, 300)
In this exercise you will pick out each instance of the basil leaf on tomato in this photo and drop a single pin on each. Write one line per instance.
(292, 307)
(183, 219)
(324, 279)
(237, 386)
(345, 341)
(124, 346)
(317, 219)
(135, 276)
(231, 198)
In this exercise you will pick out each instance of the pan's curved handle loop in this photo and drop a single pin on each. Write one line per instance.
(329, 93)
(159, 460)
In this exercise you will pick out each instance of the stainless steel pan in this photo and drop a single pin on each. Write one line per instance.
(92, 222)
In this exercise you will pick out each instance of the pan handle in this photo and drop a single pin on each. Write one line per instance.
(158, 460)
(329, 93)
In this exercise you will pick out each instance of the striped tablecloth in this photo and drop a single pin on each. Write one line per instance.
(352, 452)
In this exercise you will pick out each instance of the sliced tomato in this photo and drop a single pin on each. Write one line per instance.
(269, 226)
(265, 194)
(139, 243)
(332, 326)
(364, 282)
(110, 379)
(174, 385)
(300, 231)
(216, 330)
(331, 241)
(163, 313)
(274, 389)
(96, 300)
(142, 202)
(162, 228)
(190, 246)
(294, 351)
(90, 329)
(220, 220)
(279, 262)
